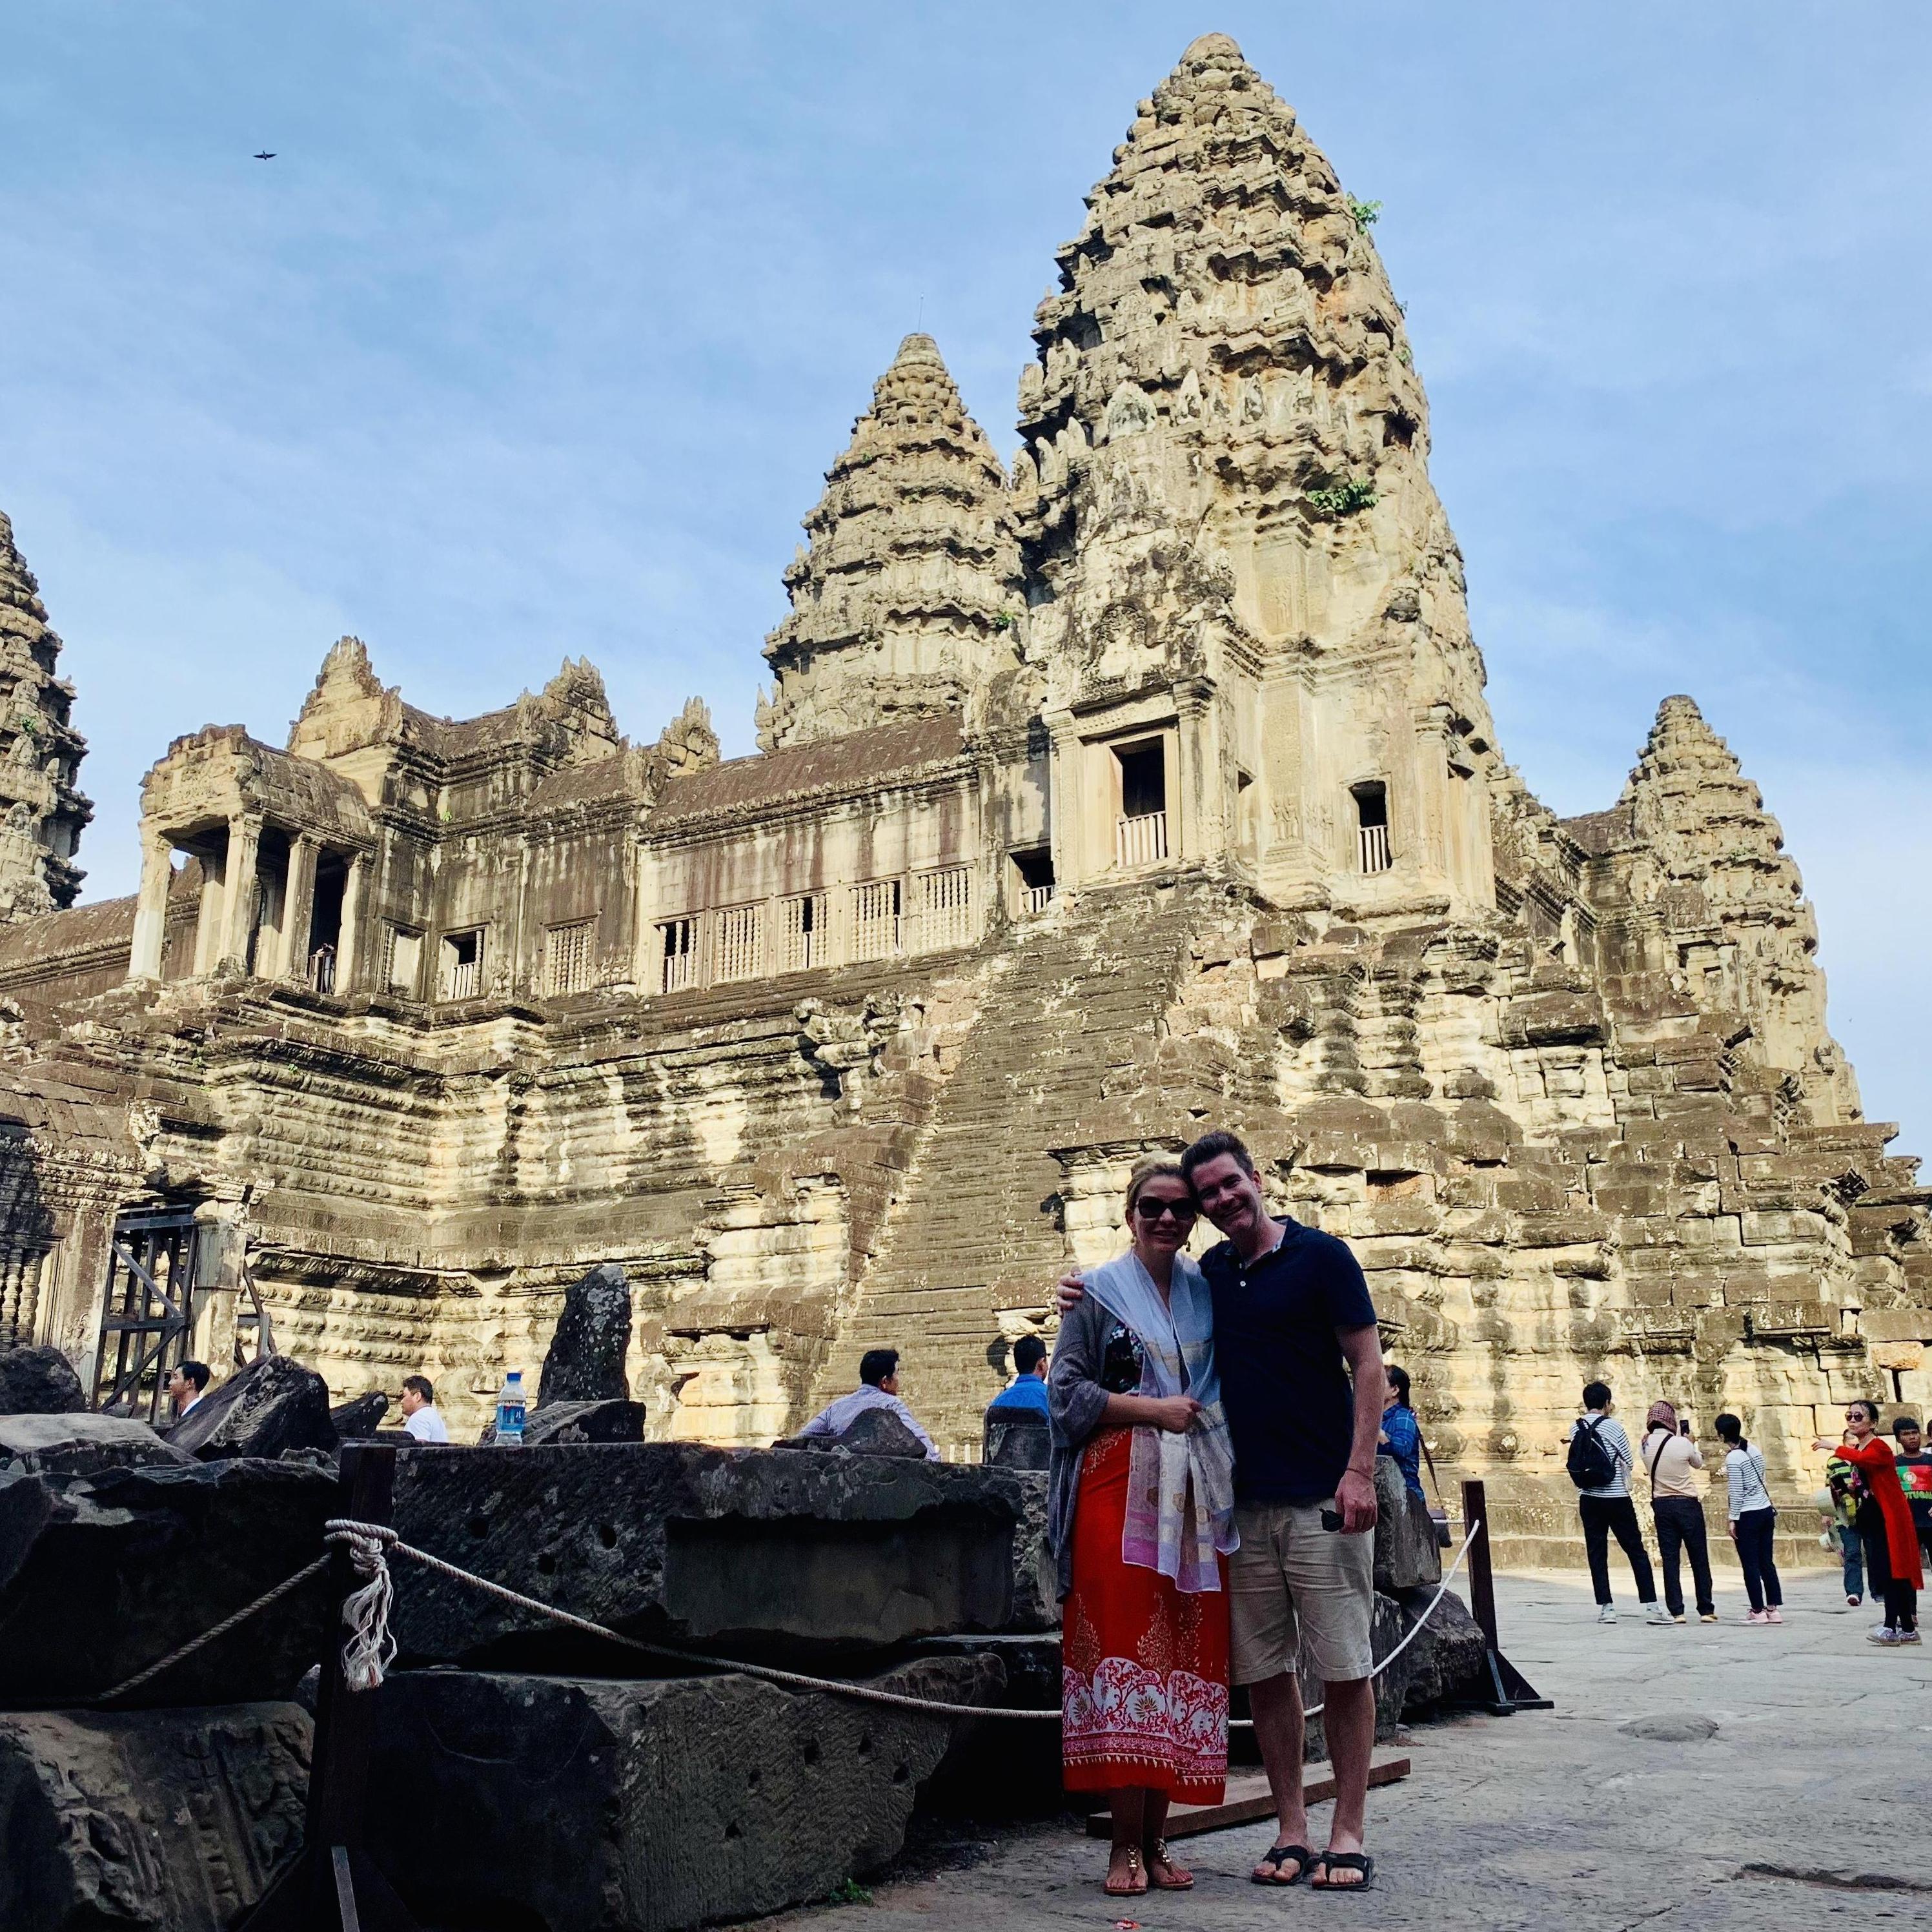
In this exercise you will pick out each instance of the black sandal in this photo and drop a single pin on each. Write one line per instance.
(1278, 1856)
(1359, 1862)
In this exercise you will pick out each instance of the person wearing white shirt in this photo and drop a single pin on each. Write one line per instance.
(187, 1385)
(1606, 1510)
(878, 1388)
(421, 1417)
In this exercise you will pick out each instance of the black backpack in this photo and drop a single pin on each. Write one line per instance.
(1590, 1464)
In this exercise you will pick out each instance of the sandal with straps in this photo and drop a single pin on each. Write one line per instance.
(1358, 1861)
(1134, 1871)
(1278, 1856)
(1158, 1855)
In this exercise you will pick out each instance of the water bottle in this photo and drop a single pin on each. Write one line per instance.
(510, 1412)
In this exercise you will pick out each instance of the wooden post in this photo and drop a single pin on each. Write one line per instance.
(335, 1886)
(1482, 1578)
(1509, 1689)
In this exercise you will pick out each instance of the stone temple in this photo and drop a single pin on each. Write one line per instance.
(1146, 783)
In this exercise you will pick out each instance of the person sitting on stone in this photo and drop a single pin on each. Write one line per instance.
(187, 1385)
(421, 1416)
(878, 1388)
(1027, 1390)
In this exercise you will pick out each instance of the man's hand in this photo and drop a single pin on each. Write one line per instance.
(1073, 1288)
(1355, 1497)
(1175, 1413)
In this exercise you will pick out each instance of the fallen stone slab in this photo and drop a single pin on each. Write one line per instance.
(585, 1361)
(602, 1806)
(1015, 1438)
(612, 1419)
(272, 1405)
(1407, 1554)
(174, 1821)
(873, 1432)
(752, 1552)
(39, 1382)
(81, 1445)
(361, 1417)
(101, 1576)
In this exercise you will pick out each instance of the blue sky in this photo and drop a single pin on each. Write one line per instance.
(537, 335)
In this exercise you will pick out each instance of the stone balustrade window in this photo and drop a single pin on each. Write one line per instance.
(569, 957)
(1372, 826)
(463, 964)
(677, 946)
(945, 908)
(801, 933)
(739, 944)
(876, 914)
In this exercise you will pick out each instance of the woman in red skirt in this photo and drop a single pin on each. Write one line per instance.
(1140, 1508)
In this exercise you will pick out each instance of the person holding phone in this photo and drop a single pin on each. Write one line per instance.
(1674, 1462)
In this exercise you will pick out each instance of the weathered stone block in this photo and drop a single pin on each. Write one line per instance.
(665, 1804)
(80, 1445)
(272, 1405)
(586, 1359)
(174, 1821)
(362, 1417)
(767, 1549)
(39, 1382)
(1407, 1554)
(101, 1576)
(1896, 1324)
(1016, 1439)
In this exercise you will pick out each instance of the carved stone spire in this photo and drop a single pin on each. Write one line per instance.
(41, 814)
(1730, 902)
(1224, 468)
(906, 600)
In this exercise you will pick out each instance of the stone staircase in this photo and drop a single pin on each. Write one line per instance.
(977, 1225)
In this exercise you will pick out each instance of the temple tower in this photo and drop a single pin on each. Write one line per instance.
(1718, 903)
(1245, 596)
(906, 600)
(40, 751)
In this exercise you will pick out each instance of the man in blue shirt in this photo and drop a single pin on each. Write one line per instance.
(1028, 1388)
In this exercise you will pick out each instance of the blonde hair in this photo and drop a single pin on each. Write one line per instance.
(1155, 1167)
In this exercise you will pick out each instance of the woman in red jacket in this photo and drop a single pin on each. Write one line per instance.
(1884, 1524)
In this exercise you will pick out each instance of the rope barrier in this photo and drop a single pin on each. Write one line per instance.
(370, 1648)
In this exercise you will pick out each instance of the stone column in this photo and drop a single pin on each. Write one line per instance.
(244, 844)
(150, 908)
(298, 910)
(351, 922)
(1064, 816)
(1196, 798)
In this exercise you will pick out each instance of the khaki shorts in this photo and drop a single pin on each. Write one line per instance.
(1291, 1582)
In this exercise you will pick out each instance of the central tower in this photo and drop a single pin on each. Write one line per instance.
(1245, 603)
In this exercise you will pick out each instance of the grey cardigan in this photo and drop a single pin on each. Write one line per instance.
(1075, 1403)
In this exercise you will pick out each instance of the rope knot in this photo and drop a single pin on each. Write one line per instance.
(371, 1648)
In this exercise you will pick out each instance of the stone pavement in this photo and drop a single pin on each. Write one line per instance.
(1810, 1804)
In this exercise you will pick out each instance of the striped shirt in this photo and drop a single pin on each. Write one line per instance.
(1744, 1472)
(1610, 1433)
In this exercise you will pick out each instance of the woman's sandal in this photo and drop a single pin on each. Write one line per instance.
(1130, 1890)
(1158, 1855)
(1278, 1856)
(1358, 1861)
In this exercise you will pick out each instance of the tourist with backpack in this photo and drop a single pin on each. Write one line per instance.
(1600, 1461)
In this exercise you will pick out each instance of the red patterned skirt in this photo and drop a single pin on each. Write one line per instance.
(1144, 1666)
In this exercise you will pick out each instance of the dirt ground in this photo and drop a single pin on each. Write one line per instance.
(1809, 1804)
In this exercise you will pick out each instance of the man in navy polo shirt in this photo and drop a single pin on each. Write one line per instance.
(1301, 1382)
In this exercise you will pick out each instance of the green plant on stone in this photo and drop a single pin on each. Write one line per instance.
(1344, 498)
(1367, 213)
(848, 1892)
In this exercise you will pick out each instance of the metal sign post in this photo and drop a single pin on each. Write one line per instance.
(1509, 1689)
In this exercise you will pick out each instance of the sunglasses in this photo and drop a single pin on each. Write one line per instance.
(1152, 1210)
